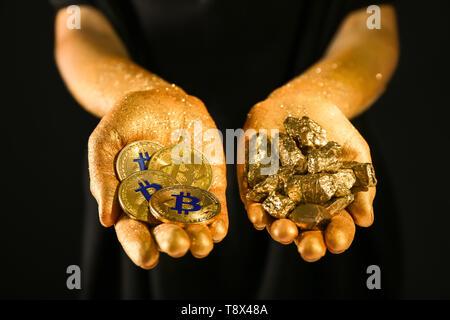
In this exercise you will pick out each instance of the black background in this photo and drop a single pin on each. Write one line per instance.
(45, 132)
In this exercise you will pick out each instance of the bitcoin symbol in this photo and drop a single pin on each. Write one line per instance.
(143, 189)
(141, 160)
(179, 203)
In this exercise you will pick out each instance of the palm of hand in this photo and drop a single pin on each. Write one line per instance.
(152, 115)
(338, 236)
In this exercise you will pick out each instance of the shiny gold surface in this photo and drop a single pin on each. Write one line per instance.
(336, 205)
(306, 132)
(219, 229)
(340, 233)
(345, 180)
(134, 202)
(309, 193)
(172, 239)
(201, 240)
(137, 241)
(264, 188)
(184, 205)
(258, 216)
(325, 158)
(311, 246)
(197, 172)
(312, 188)
(258, 151)
(290, 154)
(310, 216)
(324, 189)
(283, 231)
(132, 158)
(278, 205)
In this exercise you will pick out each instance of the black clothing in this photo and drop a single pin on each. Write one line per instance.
(232, 54)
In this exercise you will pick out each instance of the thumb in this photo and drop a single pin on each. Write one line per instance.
(103, 146)
(362, 208)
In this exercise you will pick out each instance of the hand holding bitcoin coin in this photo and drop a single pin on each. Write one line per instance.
(136, 129)
(307, 201)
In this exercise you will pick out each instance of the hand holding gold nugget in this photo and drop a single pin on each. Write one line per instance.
(124, 149)
(322, 174)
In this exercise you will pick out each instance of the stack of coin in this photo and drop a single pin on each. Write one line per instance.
(165, 184)
(312, 183)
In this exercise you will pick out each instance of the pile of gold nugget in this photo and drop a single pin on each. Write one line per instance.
(157, 187)
(312, 183)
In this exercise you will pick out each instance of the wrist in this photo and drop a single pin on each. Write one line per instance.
(322, 92)
(303, 100)
(133, 95)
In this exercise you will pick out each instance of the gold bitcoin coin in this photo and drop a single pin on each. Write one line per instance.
(189, 170)
(135, 157)
(184, 204)
(136, 190)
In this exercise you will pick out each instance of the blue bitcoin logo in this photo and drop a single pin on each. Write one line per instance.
(144, 187)
(141, 160)
(180, 201)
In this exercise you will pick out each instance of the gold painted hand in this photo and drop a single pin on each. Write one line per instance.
(152, 115)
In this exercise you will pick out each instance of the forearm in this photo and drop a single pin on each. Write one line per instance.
(355, 70)
(95, 64)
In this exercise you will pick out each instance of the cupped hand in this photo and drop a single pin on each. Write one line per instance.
(338, 236)
(152, 115)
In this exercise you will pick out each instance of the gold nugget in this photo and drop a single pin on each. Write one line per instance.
(312, 183)
(364, 173)
(310, 216)
(278, 206)
(306, 132)
(336, 205)
(325, 158)
(290, 155)
(257, 157)
(312, 188)
(262, 189)
(345, 180)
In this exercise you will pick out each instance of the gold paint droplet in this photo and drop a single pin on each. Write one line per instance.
(379, 76)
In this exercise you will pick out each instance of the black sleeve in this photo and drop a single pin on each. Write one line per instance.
(352, 5)
(58, 4)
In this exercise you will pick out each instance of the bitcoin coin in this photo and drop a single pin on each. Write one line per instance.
(193, 170)
(136, 191)
(135, 157)
(184, 204)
